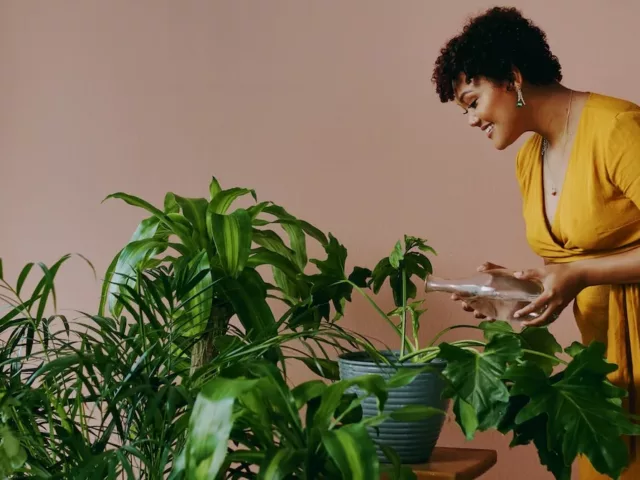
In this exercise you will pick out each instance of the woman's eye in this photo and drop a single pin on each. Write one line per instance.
(474, 104)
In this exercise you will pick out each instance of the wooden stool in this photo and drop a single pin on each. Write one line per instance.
(456, 464)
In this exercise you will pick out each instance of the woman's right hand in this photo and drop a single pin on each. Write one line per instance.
(472, 305)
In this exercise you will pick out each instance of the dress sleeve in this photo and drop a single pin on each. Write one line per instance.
(623, 155)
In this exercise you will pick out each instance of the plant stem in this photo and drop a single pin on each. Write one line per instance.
(448, 329)
(544, 355)
(374, 305)
(404, 312)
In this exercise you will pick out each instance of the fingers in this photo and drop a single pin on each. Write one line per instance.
(489, 266)
(528, 274)
(550, 315)
(537, 305)
(466, 307)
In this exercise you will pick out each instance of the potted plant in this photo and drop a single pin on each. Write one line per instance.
(521, 383)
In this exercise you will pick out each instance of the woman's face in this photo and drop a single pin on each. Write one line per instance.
(492, 108)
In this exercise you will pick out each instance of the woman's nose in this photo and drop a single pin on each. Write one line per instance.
(474, 121)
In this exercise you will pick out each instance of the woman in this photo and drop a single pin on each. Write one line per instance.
(579, 175)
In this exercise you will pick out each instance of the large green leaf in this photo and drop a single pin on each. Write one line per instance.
(262, 256)
(281, 465)
(232, 236)
(584, 411)
(223, 199)
(247, 294)
(272, 241)
(195, 211)
(122, 267)
(353, 452)
(535, 339)
(534, 430)
(131, 259)
(165, 219)
(199, 298)
(210, 426)
(476, 378)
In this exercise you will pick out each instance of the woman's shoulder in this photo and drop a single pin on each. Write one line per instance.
(608, 110)
(614, 120)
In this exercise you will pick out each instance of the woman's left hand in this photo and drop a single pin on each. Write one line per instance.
(561, 282)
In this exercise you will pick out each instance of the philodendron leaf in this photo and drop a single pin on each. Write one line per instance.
(353, 452)
(476, 378)
(232, 236)
(537, 339)
(584, 411)
(210, 426)
(534, 430)
(397, 255)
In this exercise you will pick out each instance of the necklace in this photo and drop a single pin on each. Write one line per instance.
(545, 146)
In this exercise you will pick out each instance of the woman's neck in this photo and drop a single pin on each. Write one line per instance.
(548, 108)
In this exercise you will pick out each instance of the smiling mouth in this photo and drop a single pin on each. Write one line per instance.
(489, 129)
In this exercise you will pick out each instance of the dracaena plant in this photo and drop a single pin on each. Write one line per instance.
(223, 247)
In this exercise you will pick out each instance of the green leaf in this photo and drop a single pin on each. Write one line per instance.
(353, 452)
(262, 256)
(332, 396)
(170, 203)
(382, 270)
(24, 273)
(539, 339)
(247, 294)
(321, 366)
(476, 378)
(534, 430)
(397, 255)
(222, 200)
(285, 218)
(199, 298)
(404, 376)
(272, 241)
(415, 413)
(396, 287)
(122, 267)
(306, 391)
(210, 426)
(195, 211)
(466, 417)
(131, 259)
(584, 411)
(281, 464)
(496, 327)
(360, 276)
(232, 236)
(214, 188)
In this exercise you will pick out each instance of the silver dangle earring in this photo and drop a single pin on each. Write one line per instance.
(520, 102)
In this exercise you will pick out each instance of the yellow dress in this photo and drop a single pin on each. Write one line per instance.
(598, 213)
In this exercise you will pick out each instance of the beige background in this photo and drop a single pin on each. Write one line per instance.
(323, 106)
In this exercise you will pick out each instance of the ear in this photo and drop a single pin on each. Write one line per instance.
(516, 79)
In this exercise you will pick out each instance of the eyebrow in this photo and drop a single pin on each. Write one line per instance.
(462, 95)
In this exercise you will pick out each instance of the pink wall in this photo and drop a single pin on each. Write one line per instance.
(324, 107)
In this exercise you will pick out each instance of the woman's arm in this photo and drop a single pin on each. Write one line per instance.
(614, 269)
(563, 281)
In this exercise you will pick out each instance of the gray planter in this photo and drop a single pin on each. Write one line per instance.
(412, 441)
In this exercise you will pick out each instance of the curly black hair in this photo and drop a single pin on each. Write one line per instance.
(490, 46)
